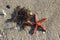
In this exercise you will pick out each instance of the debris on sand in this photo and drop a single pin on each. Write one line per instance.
(21, 15)
(4, 13)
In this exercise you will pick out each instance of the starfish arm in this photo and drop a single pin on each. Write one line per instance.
(43, 20)
(30, 23)
(35, 17)
(42, 27)
(34, 31)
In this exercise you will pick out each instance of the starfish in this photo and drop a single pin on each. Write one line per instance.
(37, 23)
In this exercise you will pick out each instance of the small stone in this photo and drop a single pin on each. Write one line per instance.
(28, 21)
(43, 32)
(31, 13)
(4, 13)
(7, 6)
(0, 35)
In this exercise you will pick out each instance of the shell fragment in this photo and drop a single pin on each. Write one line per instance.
(4, 13)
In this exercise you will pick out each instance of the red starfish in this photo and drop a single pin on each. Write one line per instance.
(37, 23)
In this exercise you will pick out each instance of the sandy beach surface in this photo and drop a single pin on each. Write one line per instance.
(45, 8)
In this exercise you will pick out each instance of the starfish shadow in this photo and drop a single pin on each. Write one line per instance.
(39, 29)
(32, 27)
(31, 30)
(18, 23)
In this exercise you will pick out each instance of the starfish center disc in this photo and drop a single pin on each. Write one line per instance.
(37, 23)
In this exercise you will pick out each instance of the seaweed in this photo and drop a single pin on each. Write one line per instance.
(20, 16)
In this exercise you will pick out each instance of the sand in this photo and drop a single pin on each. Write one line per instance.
(45, 8)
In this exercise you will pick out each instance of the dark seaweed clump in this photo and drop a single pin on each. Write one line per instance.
(20, 16)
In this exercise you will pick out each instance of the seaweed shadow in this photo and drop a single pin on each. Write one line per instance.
(14, 19)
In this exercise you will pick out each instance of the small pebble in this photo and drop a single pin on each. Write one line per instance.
(0, 35)
(43, 32)
(7, 6)
(4, 13)
(31, 13)
(28, 21)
